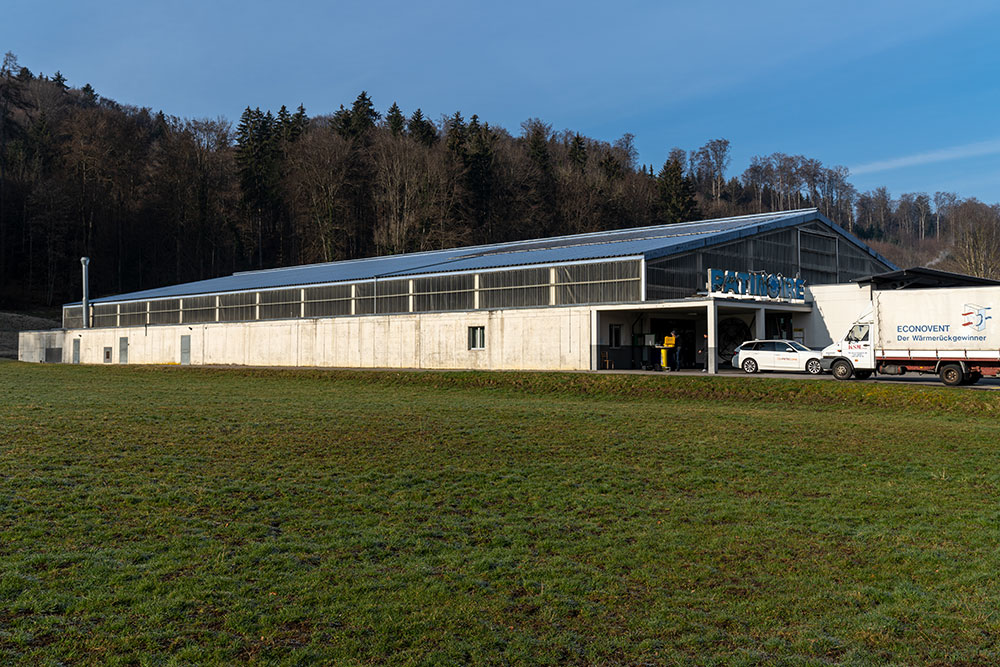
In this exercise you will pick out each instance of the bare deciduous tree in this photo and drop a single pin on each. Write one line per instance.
(976, 250)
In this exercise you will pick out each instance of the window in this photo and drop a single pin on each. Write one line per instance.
(858, 333)
(477, 338)
(615, 336)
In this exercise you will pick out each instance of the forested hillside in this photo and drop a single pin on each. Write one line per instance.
(156, 199)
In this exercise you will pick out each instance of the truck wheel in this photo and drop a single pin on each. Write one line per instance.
(951, 375)
(842, 370)
(974, 378)
(814, 367)
(862, 375)
(749, 366)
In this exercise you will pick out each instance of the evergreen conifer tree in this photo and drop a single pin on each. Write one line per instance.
(456, 133)
(284, 123)
(258, 163)
(543, 205)
(479, 176)
(578, 152)
(363, 115)
(341, 122)
(160, 125)
(89, 95)
(421, 129)
(59, 80)
(299, 122)
(537, 135)
(675, 194)
(395, 120)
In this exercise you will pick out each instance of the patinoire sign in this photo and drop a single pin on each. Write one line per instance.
(755, 285)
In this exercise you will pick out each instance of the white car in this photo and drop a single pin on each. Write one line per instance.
(777, 355)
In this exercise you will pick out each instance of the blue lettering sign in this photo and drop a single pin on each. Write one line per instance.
(744, 279)
(758, 284)
(773, 286)
(923, 328)
(715, 279)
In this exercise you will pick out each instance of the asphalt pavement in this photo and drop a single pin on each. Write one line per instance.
(986, 384)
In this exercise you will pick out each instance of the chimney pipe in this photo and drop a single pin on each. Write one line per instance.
(84, 261)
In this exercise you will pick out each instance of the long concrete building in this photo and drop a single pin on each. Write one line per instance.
(587, 301)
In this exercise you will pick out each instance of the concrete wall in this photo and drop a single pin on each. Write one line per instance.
(835, 309)
(541, 338)
(31, 345)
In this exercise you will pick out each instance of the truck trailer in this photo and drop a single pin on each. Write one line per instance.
(948, 331)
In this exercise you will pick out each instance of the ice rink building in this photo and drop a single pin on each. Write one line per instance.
(588, 301)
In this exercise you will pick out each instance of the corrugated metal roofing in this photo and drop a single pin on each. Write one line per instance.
(649, 242)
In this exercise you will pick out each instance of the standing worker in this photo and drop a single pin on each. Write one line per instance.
(676, 351)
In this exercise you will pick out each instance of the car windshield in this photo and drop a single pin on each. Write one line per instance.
(798, 346)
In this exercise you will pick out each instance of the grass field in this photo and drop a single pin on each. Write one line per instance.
(168, 515)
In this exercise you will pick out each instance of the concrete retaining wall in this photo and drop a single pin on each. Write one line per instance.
(541, 339)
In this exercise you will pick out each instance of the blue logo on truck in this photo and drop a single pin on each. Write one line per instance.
(975, 316)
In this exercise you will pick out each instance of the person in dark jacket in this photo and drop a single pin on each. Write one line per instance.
(676, 357)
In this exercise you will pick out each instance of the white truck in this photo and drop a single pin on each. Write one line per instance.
(948, 331)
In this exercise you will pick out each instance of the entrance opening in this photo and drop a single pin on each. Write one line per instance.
(778, 325)
(686, 339)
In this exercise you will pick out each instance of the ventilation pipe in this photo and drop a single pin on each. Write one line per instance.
(84, 261)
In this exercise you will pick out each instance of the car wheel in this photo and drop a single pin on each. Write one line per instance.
(749, 366)
(814, 367)
(952, 375)
(842, 370)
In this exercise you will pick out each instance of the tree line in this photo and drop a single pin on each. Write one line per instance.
(156, 199)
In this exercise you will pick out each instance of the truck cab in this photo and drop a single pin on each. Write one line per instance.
(853, 355)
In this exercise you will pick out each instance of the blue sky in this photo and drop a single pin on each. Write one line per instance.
(904, 93)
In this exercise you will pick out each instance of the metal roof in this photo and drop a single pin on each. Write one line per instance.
(920, 277)
(648, 242)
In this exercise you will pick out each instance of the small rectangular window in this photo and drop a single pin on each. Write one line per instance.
(477, 338)
(615, 336)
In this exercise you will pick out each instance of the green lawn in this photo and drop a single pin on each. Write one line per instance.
(169, 515)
